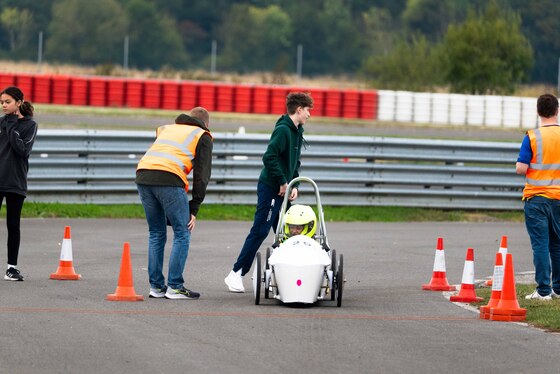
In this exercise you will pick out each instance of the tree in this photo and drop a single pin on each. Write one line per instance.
(412, 66)
(255, 38)
(380, 32)
(394, 7)
(198, 24)
(432, 17)
(487, 54)
(19, 24)
(87, 32)
(263, 35)
(329, 33)
(309, 32)
(540, 25)
(154, 37)
(339, 36)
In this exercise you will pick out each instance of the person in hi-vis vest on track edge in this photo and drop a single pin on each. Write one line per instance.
(539, 161)
(161, 178)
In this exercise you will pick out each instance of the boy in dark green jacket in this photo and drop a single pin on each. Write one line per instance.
(281, 163)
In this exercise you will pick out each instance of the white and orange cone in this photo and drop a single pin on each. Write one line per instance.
(439, 277)
(496, 294)
(503, 251)
(508, 307)
(65, 269)
(467, 293)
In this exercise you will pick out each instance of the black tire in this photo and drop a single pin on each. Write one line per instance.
(333, 268)
(257, 280)
(266, 267)
(339, 281)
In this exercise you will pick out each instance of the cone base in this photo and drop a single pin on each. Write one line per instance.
(430, 287)
(466, 299)
(124, 294)
(506, 318)
(65, 271)
(115, 297)
(511, 312)
(57, 276)
(484, 309)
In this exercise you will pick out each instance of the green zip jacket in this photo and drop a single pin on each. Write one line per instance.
(282, 157)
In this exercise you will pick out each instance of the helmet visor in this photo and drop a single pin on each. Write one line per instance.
(295, 229)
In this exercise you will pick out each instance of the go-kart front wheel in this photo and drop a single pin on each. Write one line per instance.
(333, 268)
(267, 267)
(257, 280)
(339, 281)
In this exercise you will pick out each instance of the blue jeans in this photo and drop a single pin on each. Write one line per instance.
(162, 203)
(266, 216)
(542, 219)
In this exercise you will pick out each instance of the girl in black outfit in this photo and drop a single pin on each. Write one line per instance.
(17, 135)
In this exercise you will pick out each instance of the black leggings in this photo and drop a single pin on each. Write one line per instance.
(14, 203)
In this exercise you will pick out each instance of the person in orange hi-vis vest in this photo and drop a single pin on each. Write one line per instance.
(539, 161)
(161, 178)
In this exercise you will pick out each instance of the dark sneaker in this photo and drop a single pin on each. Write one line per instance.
(158, 293)
(181, 294)
(12, 274)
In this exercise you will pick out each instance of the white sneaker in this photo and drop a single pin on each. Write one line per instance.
(536, 296)
(158, 293)
(234, 281)
(555, 295)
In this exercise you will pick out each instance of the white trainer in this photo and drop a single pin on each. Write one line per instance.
(555, 295)
(234, 281)
(536, 296)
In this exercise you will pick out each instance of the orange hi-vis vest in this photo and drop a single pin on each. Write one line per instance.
(543, 174)
(173, 151)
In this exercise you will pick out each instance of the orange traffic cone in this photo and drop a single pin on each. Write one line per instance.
(125, 289)
(508, 308)
(503, 251)
(439, 277)
(498, 278)
(65, 269)
(467, 293)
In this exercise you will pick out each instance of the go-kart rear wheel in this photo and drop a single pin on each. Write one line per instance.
(333, 268)
(257, 280)
(339, 281)
(266, 267)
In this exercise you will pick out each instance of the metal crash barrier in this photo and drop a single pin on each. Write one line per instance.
(91, 166)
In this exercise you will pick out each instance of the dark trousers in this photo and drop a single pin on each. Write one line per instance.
(266, 216)
(14, 204)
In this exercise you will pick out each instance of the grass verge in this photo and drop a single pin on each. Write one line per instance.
(223, 212)
(541, 314)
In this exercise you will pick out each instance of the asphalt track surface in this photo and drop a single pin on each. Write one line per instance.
(386, 324)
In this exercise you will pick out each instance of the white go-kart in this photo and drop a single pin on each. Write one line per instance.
(299, 269)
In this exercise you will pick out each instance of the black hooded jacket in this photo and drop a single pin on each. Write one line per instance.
(17, 136)
(202, 167)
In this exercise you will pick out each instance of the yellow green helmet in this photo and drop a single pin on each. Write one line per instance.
(300, 217)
